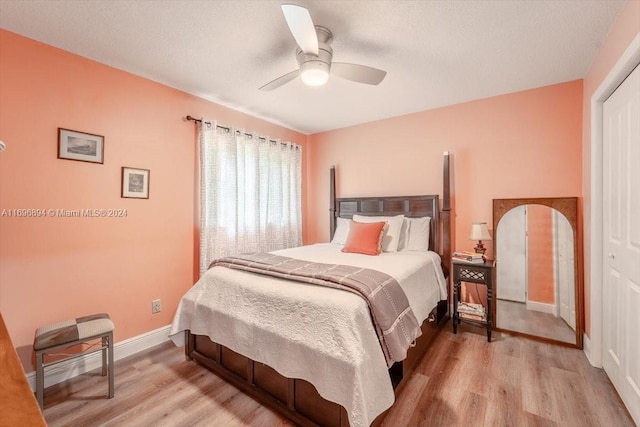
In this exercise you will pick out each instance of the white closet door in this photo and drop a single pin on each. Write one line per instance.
(621, 240)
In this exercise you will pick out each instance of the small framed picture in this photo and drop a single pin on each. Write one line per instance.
(135, 183)
(81, 146)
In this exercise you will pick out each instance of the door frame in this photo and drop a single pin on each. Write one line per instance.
(626, 63)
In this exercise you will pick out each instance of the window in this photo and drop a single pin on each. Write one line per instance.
(250, 194)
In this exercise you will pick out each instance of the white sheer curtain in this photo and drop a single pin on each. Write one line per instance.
(250, 194)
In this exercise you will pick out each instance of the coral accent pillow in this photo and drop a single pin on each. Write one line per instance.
(365, 238)
(392, 234)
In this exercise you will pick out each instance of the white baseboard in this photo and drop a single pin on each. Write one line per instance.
(586, 347)
(541, 307)
(80, 365)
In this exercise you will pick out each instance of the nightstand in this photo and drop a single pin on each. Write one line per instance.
(482, 274)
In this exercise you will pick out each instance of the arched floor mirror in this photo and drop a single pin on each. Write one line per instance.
(538, 292)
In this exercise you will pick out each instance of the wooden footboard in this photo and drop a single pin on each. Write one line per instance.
(298, 399)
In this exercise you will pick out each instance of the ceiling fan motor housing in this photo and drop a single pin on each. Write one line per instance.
(322, 62)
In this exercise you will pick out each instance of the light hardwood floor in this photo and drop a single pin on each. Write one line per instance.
(462, 381)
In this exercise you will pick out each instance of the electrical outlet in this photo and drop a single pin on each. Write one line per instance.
(156, 306)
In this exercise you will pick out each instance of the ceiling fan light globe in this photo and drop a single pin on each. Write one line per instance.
(314, 77)
(314, 73)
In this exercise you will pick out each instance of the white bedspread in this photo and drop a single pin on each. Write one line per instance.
(322, 335)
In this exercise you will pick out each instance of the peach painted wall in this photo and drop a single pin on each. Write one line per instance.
(540, 254)
(525, 144)
(626, 27)
(58, 268)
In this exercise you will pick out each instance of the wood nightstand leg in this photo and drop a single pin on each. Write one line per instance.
(456, 300)
(489, 312)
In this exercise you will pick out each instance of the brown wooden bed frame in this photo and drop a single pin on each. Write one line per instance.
(298, 399)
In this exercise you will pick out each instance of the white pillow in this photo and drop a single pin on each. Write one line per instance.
(415, 235)
(342, 231)
(404, 235)
(391, 235)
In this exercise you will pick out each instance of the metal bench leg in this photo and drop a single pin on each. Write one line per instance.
(111, 367)
(39, 380)
(105, 342)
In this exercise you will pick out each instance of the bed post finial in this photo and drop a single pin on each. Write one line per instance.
(332, 201)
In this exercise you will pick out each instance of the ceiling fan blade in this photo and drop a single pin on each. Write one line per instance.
(280, 81)
(302, 28)
(358, 73)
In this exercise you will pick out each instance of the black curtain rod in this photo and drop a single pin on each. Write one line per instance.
(193, 119)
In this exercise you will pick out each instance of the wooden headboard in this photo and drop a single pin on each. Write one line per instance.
(409, 206)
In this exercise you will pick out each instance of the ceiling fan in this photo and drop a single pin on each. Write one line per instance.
(314, 54)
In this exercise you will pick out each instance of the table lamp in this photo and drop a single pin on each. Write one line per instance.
(479, 232)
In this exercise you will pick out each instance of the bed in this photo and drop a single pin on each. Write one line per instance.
(309, 352)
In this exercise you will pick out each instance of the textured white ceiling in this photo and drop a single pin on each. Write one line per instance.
(436, 53)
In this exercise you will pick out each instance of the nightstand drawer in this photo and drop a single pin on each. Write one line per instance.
(471, 273)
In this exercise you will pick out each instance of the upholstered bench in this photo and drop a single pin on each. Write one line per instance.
(61, 335)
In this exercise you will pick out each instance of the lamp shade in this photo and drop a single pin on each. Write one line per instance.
(479, 231)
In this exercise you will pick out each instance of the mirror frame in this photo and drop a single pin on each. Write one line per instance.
(568, 206)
